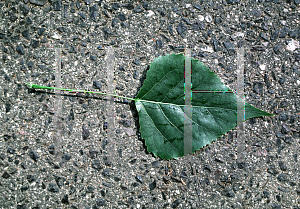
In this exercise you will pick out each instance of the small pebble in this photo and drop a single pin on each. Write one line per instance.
(97, 84)
(208, 18)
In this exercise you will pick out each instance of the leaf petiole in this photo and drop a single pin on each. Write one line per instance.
(34, 86)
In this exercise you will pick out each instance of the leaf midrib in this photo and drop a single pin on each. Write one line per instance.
(141, 100)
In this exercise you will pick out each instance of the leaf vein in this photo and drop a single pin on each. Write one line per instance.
(197, 124)
(158, 129)
(171, 90)
(157, 83)
(215, 120)
(168, 119)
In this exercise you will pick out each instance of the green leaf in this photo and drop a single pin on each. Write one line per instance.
(160, 105)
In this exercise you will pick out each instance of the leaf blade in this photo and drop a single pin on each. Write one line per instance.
(160, 105)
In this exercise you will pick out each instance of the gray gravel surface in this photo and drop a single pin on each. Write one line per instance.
(139, 31)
